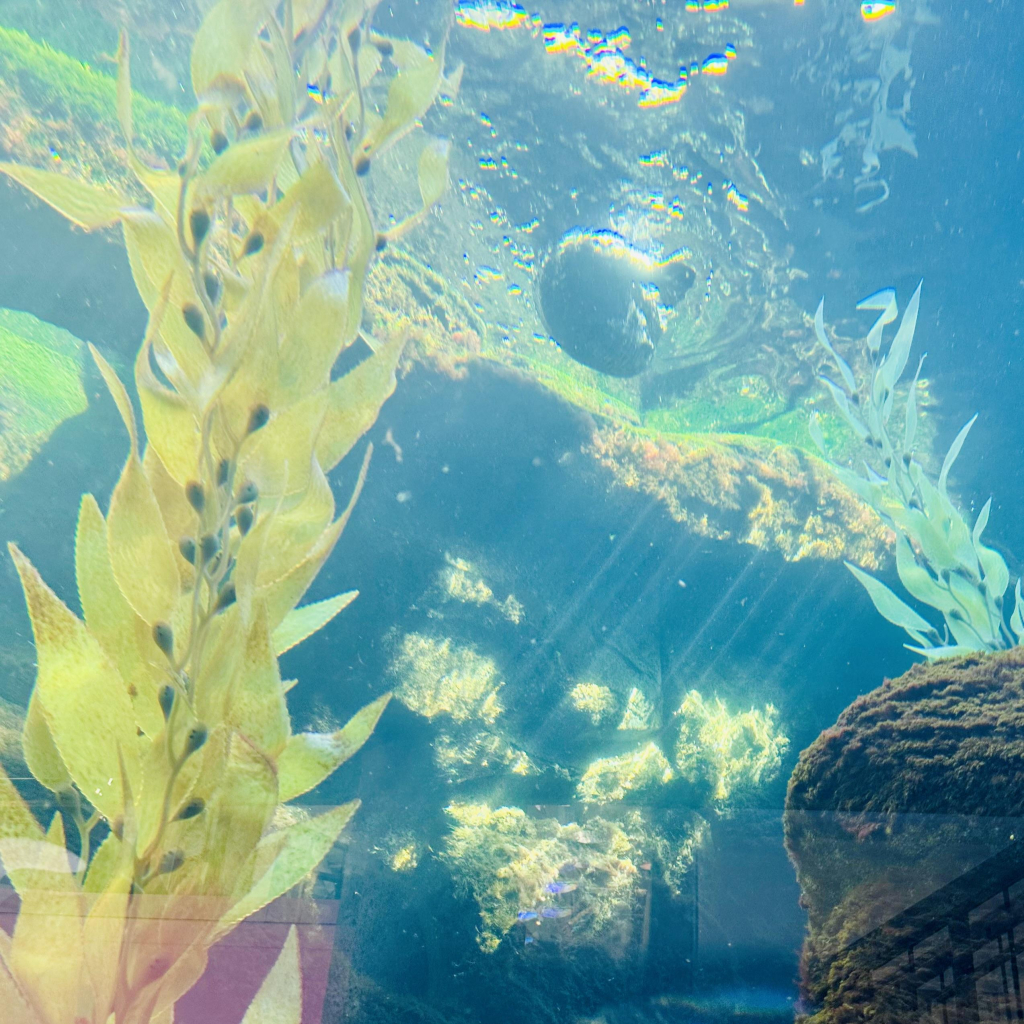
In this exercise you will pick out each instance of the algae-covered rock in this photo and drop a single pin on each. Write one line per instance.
(729, 751)
(909, 789)
(40, 386)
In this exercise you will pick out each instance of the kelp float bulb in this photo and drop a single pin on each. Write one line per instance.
(194, 320)
(195, 495)
(163, 637)
(225, 598)
(171, 861)
(195, 739)
(362, 166)
(187, 547)
(247, 493)
(354, 39)
(68, 800)
(381, 244)
(191, 809)
(244, 519)
(253, 122)
(218, 141)
(212, 285)
(252, 244)
(199, 225)
(209, 547)
(258, 418)
(384, 46)
(166, 699)
(223, 471)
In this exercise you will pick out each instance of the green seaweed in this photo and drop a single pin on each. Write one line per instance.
(40, 386)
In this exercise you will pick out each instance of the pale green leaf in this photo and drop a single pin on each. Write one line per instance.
(433, 171)
(83, 204)
(355, 401)
(247, 166)
(302, 622)
(302, 847)
(279, 999)
(951, 455)
(222, 45)
(85, 701)
(310, 757)
(889, 606)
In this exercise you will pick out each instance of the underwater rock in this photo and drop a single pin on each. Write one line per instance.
(748, 489)
(601, 300)
(909, 789)
(730, 751)
(438, 677)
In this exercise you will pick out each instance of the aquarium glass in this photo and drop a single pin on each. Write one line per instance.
(511, 512)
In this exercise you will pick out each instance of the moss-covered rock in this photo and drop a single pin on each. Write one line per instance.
(909, 789)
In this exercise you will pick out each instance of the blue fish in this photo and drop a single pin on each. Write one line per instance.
(527, 915)
(558, 888)
(554, 912)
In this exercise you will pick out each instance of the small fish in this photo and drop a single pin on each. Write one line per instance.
(527, 915)
(528, 940)
(560, 888)
(555, 912)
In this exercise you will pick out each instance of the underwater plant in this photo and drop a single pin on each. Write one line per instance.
(940, 559)
(158, 720)
(40, 386)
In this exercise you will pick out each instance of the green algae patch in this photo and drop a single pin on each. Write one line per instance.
(58, 111)
(40, 386)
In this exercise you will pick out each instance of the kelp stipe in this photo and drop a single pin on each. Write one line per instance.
(159, 722)
(940, 559)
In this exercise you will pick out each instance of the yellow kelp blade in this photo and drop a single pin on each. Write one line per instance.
(154, 256)
(302, 847)
(310, 757)
(317, 199)
(163, 186)
(317, 334)
(433, 171)
(410, 94)
(112, 620)
(170, 420)
(17, 823)
(355, 402)
(256, 706)
(303, 622)
(85, 205)
(278, 458)
(104, 931)
(82, 694)
(291, 535)
(40, 752)
(284, 594)
(141, 554)
(46, 950)
(279, 999)
(433, 180)
(245, 167)
(222, 44)
(16, 1010)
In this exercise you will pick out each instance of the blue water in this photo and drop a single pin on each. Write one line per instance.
(493, 469)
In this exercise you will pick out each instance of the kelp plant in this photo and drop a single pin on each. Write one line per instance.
(159, 723)
(940, 559)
